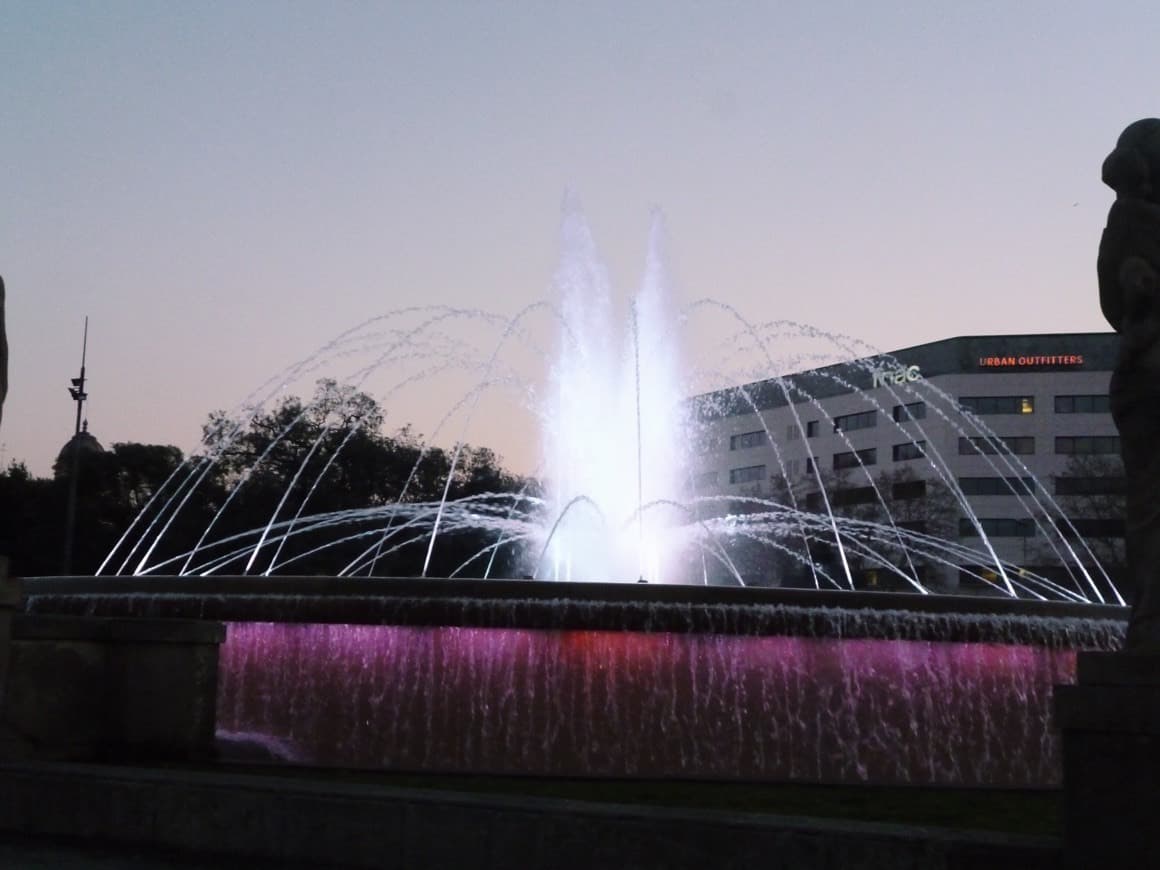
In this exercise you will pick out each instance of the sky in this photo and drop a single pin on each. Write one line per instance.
(223, 186)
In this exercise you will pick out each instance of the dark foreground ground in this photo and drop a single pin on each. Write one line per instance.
(260, 816)
(38, 853)
(1016, 811)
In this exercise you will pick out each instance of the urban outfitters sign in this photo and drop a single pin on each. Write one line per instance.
(1067, 360)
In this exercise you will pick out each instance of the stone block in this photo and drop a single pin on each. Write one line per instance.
(10, 596)
(1110, 723)
(86, 688)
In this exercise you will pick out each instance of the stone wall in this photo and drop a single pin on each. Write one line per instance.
(86, 688)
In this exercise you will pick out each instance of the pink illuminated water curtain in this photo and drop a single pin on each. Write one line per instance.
(601, 703)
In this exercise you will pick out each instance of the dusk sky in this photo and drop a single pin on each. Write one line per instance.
(223, 186)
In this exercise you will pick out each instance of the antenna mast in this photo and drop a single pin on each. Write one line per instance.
(77, 390)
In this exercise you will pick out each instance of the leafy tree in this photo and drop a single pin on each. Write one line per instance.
(111, 487)
(329, 455)
(286, 465)
(895, 496)
(1091, 493)
(31, 521)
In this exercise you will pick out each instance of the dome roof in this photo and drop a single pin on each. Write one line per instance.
(84, 443)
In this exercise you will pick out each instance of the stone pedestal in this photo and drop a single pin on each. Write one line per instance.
(1110, 723)
(9, 602)
(88, 688)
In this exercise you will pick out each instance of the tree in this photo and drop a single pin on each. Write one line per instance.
(1091, 492)
(327, 456)
(31, 521)
(111, 487)
(898, 500)
(295, 462)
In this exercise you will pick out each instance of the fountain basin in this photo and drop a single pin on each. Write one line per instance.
(628, 679)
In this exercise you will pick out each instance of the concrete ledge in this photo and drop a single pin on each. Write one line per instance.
(281, 817)
(586, 606)
(154, 631)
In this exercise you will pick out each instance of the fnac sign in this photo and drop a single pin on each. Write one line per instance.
(895, 377)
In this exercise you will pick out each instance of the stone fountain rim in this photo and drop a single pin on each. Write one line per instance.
(621, 592)
(564, 607)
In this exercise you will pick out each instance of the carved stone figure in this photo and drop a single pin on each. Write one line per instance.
(1128, 268)
(3, 354)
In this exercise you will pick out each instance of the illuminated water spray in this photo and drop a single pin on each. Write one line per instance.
(614, 428)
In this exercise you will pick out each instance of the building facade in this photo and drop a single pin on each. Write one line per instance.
(976, 439)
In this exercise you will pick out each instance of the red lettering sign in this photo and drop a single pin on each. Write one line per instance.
(1030, 361)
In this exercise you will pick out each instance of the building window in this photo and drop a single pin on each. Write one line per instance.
(1108, 485)
(978, 577)
(908, 489)
(791, 432)
(747, 440)
(1092, 404)
(748, 474)
(987, 405)
(1002, 527)
(906, 452)
(996, 485)
(705, 479)
(912, 411)
(812, 429)
(1087, 445)
(1021, 445)
(869, 456)
(853, 496)
(850, 422)
(811, 464)
(1103, 527)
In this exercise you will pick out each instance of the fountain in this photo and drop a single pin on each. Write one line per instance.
(620, 450)
(680, 676)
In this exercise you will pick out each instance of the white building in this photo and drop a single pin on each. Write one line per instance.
(1039, 423)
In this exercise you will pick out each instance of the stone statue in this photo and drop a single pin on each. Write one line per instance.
(3, 354)
(1128, 268)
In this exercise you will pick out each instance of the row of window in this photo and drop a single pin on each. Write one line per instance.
(988, 405)
(996, 485)
(748, 474)
(908, 451)
(1020, 445)
(1098, 404)
(851, 422)
(1087, 445)
(1024, 445)
(1065, 485)
(855, 458)
(979, 405)
(911, 411)
(997, 527)
(992, 527)
(970, 486)
(858, 495)
(1009, 527)
(746, 440)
